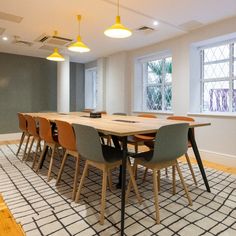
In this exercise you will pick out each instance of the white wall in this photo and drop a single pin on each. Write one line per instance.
(116, 80)
(220, 137)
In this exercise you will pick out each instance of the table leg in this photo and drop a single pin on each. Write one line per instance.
(117, 146)
(123, 185)
(198, 157)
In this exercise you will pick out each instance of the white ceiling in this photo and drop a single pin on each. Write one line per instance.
(45, 16)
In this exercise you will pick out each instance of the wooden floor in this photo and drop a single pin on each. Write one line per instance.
(8, 225)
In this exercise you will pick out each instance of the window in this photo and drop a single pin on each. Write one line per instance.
(91, 88)
(154, 75)
(218, 78)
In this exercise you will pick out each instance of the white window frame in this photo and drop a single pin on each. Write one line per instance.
(91, 90)
(141, 76)
(229, 79)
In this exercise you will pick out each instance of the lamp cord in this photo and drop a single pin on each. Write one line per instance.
(118, 6)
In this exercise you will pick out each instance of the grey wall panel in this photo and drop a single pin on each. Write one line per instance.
(76, 86)
(27, 84)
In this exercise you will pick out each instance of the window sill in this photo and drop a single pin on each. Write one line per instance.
(155, 112)
(213, 114)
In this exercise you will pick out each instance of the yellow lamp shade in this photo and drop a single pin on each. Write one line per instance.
(56, 56)
(118, 30)
(78, 46)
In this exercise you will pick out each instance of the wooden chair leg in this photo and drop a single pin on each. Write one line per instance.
(26, 146)
(184, 185)
(103, 201)
(36, 153)
(173, 180)
(110, 180)
(155, 189)
(145, 174)
(51, 163)
(136, 148)
(134, 182)
(31, 145)
(130, 183)
(61, 167)
(159, 180)
(76, 178)
(41, 157)
(21, 141)
(191, 168)
(81, 182)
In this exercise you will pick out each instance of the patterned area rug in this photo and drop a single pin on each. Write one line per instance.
(46, 209)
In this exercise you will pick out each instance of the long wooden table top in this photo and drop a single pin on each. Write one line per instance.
(115, 124)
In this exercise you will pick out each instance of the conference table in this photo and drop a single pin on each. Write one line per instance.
(122, 127)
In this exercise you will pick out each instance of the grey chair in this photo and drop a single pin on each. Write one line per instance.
(172, 142)
(103, 157)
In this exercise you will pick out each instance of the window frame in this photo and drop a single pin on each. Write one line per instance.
(143, 64)
(231, 78)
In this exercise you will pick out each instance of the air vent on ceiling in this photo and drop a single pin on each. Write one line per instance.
(54, 40)
(1, 30)
(145, 29)
(18, 41)
(191, 25)
(10, 17)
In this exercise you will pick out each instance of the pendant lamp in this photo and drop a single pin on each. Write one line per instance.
(118, 30)
(55, 56)
(78, 46)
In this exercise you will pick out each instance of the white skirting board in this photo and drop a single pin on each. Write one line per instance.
(215, 157)
(9, 137)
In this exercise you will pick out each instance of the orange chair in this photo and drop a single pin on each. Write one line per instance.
(189, 119)
(50, 140)
(25, 133)
(140, 139)
(67, 140)
(33, 131)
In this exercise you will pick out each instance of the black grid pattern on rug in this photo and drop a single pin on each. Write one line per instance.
(45, 209)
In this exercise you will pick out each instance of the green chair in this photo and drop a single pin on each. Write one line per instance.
(103, 157)
(172, 142)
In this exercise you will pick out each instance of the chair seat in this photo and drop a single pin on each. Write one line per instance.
(111, 154)
(145, 156)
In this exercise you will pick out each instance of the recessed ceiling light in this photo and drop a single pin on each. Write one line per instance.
(155, 22)
(5, 38)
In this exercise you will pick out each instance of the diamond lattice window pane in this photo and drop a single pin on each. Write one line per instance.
(218, 70)
(153, 78)
(216, 53)
(155, 69)
(167, 97)
(216, 96)
(154, 98)
(234, 96)
(168, 70)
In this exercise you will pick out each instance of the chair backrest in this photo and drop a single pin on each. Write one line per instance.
(171, 142)
(66, 135)
(22, 122)
(120, 114)
(147, 116)
(183, 118)
(45, 130)
(31, 125)
(88, 143)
